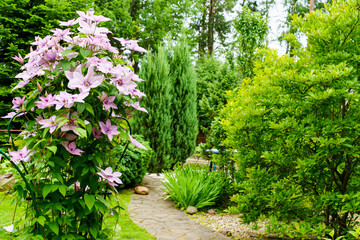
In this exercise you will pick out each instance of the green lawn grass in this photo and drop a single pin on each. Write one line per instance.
(124, 229)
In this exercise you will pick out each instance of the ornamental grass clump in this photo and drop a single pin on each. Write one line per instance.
(77, 88)
(192, 186)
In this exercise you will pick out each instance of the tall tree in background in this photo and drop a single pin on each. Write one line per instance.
(251, 34)
(209, 22)
(213, 79)
(183, 106)
(262, 6)
(150, 22)
(156, 126)
(298, 8)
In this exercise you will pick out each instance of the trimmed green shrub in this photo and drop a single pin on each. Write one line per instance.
(192, 186)
(156, 125)
(134, 163)
(183, 102)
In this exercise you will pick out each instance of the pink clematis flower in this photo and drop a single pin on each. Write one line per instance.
(47, 101)
(21, 155)
(108, 129)
(136, 143)
(108, 102)
(84, 84)
(92, 29)
(17, 102)
(96, 133)
(137, 106)
(63, 34)
(18, 58)
(71, 147)
(21, 84)
(111, 177)
(71, 124)
(67, 100)
(48, 123)
(131, 44)
(12, 114)
(68, 23)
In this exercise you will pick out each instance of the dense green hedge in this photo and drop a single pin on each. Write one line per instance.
(134, 163)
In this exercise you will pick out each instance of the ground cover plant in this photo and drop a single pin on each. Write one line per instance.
(77, 88)
(295, 126)
(193, 186)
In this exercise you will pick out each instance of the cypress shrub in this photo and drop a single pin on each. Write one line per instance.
(156, 126)
(183, 102)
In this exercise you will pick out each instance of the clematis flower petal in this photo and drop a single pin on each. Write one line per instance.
(136, 143)
(9, 228)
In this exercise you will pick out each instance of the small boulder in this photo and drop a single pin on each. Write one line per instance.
(191, 210)
(211, 211)
(141, 190)
(225, 232)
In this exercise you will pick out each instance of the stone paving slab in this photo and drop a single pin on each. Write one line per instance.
(162, 220)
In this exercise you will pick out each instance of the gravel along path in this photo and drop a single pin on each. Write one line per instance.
(230, 223)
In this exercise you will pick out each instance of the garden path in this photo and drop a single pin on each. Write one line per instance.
(162, 220)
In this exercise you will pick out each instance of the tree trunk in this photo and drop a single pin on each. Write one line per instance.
(211, 27)
(202, 38)
(311, 5)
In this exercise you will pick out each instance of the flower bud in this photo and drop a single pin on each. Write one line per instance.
(38, 86)
(103, 97)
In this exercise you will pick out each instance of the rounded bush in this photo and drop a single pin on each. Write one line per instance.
(133, 165)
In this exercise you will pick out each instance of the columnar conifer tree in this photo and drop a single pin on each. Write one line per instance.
(183, 108)
(155, 126)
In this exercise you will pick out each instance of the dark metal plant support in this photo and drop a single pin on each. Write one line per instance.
(126, 146)
(28, 186)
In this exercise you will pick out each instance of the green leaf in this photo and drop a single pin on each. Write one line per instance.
(60, 124)
(94, 231)
(66, 65)
(80, 108)
(54, 227)
(59, 161)
(66, 52)
(42, 140)
(46, 190)
(41, 220)
(89, 108)
(52, 148)
(62, 190)
(89, 200)
(82, 132)
(85, 53)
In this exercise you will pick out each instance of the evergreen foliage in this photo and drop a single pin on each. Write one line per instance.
(156, 126)
(133, 164)
(213, 79)
(183, 102)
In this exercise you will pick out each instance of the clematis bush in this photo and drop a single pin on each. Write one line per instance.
(78, 89)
